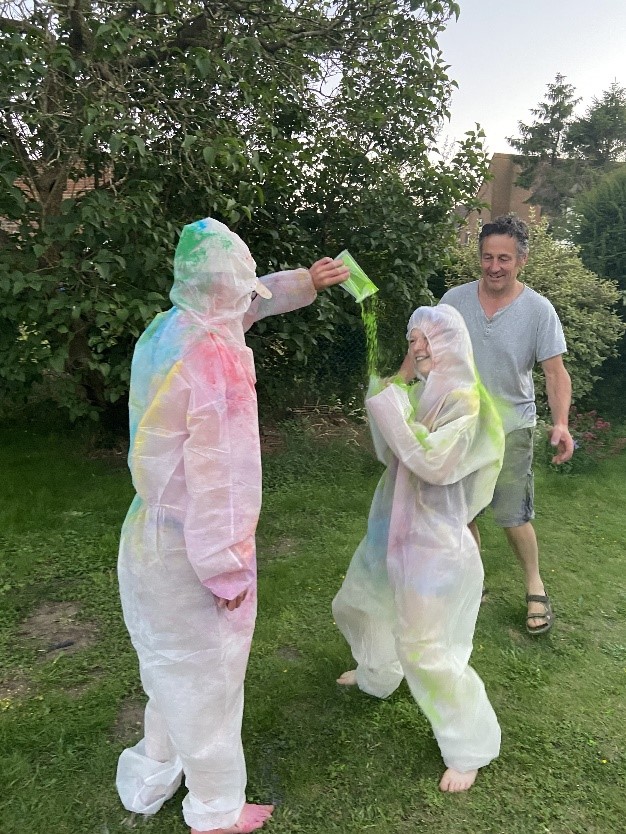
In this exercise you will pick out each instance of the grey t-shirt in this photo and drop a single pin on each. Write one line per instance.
(508, 345)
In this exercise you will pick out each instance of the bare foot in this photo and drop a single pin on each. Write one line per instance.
(251, 818)
(453, 781)
(348, 678)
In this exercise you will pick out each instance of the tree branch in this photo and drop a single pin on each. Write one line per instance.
(10, 135)
(7, 24)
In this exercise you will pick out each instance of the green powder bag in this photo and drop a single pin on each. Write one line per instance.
(358, 284)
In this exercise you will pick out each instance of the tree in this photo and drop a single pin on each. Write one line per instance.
(584, 302)
(305, 126)
(600, 232)
(599, 137)
(563, 156)
(601, 227)
(541, 144)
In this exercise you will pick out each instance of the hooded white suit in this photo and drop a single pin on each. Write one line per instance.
(409, 602)
(189, 534)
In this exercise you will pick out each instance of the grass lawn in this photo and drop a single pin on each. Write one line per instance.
(333, 760)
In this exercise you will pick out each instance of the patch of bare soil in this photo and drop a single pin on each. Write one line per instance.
(289, 653)
(114, 453)
(55, 629)
(322, 423)
(271, 439)
(281, 548)
(128, 727)
(516, 636)
(14, 689)
(326, 423)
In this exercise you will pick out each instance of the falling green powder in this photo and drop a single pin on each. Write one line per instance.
(368, 314)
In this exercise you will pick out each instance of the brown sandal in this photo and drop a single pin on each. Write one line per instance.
(547, 615)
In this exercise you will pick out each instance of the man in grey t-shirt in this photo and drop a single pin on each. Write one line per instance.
(512, 328)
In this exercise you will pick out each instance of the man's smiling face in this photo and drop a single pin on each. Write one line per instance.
(500, 263)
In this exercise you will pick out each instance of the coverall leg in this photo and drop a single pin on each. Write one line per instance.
(193, 659)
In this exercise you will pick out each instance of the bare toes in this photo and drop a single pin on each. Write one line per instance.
(453, 781)
(348, 678)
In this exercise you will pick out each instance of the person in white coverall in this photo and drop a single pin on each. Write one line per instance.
(410, 599)
(186, 567)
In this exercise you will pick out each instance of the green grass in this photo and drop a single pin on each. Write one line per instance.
(333, 760)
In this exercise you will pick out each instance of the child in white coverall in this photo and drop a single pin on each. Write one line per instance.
(186, 566)
(410, 599)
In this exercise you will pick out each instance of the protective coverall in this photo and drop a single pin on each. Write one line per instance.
(189, 534)
(410, 599)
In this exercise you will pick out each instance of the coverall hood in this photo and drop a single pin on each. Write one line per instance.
(453, 367)
(450, 345)
(214, 273)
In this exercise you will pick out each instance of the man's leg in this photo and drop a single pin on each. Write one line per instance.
(523, 542)
(513, 509)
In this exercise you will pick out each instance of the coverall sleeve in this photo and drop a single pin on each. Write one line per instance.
(435, 456)
(222, 462)
(381, 447)
(291, 289)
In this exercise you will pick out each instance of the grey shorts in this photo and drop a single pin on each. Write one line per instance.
(513, 500)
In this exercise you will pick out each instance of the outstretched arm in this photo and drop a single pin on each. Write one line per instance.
(295, 288)
(559, 391)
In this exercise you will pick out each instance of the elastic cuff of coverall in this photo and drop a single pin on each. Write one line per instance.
(469, 763)
(144, 784)
(230, 585)
(380, 683)
(202, 817)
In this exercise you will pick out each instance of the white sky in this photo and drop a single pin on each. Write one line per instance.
(504, 54)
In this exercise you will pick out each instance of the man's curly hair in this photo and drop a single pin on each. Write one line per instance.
(507, 224)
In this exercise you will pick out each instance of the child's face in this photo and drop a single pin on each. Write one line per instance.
(419, 351)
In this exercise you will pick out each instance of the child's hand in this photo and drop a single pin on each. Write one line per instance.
(407, 369)
(231, 604)
(326, 273)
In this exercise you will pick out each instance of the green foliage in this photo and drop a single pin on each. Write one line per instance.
(540, 145)
(562, 156)
(600, 232)
(543, 139)
(599, 137)
(583, 301)
(595, 440)
(601, 227)
(307, 130)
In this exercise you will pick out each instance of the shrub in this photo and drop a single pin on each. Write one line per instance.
(594, 440)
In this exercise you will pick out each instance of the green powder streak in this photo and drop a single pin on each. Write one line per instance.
(368, 314)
